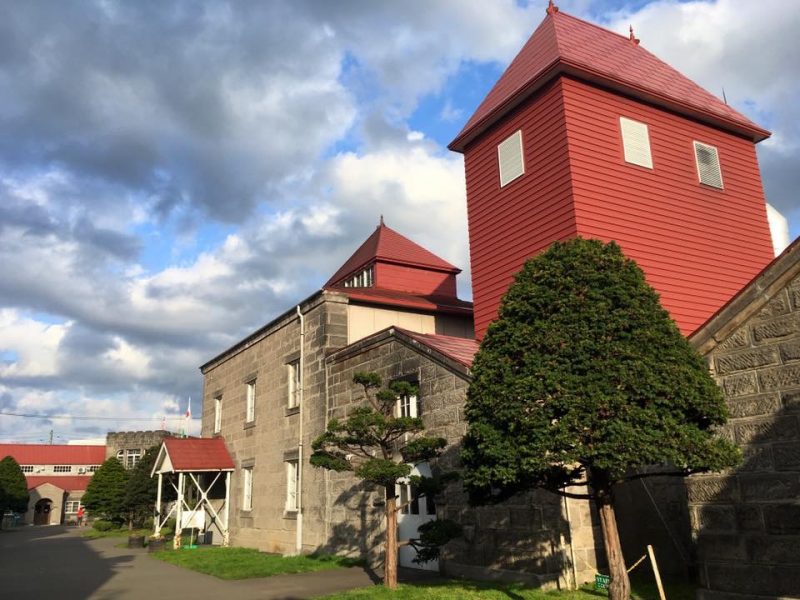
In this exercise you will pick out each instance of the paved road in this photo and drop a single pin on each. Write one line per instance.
(55, 562)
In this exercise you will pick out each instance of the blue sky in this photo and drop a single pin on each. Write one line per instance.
(172, 179)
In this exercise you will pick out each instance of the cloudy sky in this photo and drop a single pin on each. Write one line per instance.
(173, 175)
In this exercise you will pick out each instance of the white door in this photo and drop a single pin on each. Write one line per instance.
(411, 517)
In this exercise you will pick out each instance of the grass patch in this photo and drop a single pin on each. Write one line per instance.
(246, 563)
(93, 534)
(643, 589)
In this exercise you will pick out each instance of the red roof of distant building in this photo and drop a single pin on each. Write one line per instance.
(461, 350)
(68, 483)
(565, 44)
(198, 454)
(54, 454)
(386, 245)
(442, 304)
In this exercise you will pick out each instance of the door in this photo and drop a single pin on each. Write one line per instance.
(417, 512)
(41, 512)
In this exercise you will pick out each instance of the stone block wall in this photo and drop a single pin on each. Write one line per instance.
(747, 521)
(134, 440)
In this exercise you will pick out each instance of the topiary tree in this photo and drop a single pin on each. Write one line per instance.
(381, 448)
(105, 494)
(13, 488)
(141, 490)
(584, 380)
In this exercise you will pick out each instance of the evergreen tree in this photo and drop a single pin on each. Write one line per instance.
(381, 448)
(141, 490)
(13, 487)
(584, 380)
(105, 494)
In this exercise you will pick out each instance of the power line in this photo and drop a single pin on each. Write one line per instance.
(86, 418)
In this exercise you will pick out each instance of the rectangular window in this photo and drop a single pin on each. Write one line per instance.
(72, 506)
(292, 474)
(407, 406)
(251, 401)
(510, 159)
(708, 169)
(636, 142)
(294, 383)
(247, 488)
(217, 414)
(62, 469)
(92, 468)
(133, 455)
(27, 468)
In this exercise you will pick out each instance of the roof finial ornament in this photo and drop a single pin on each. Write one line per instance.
(633, 38)
(551, 8)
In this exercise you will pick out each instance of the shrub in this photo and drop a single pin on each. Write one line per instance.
(103, 525)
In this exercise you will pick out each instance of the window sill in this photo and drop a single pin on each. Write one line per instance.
(290, 514)
(292, 411)
(249, 424)
(245, 512)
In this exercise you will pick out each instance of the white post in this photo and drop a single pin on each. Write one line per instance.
(225, 534)
(157, 520)
(176, 542)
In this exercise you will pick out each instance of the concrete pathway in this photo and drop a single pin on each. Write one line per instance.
(55, 562)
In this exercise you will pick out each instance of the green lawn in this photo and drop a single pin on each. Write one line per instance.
(244, 563)
(469, 590)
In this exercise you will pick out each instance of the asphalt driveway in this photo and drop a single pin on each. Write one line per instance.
(55, 562)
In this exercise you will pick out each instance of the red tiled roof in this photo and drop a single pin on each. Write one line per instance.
(68, 483)
(54, 454)
(198, 454)
(461, 350)
(387, 245)
(444, 304)
(565, 44)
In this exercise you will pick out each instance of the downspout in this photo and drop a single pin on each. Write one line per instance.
(299, 540)
(326, 473)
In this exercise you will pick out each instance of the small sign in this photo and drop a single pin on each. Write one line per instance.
(601, 582)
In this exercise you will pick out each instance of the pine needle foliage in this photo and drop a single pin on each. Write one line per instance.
(13, 487)
(105, 494)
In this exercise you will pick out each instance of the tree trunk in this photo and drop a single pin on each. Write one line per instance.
(390, 559)
(620, 586)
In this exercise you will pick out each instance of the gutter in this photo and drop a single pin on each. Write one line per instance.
(299, 539)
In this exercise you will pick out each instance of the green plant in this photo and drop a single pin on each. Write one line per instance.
(380, 449)
(105, 493)
(584, 380)
(103, 525)
(13, 487)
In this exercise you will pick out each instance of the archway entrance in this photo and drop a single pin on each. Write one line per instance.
(41, 512)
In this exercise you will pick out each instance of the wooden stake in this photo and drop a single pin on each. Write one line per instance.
(655, 572)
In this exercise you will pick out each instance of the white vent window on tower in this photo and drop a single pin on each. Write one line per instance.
(708, 169)
(509, 156)
(636, 142)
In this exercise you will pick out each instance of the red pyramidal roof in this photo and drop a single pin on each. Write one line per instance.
(563, 44)
(197, 454)
(386, 245)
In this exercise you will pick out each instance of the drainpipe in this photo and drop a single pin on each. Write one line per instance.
(299, 540)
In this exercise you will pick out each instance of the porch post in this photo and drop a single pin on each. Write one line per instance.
(176, 542)
(225, 532)
(157, 520)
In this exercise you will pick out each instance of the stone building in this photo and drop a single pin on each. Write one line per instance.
(130, 446)
(747, 521)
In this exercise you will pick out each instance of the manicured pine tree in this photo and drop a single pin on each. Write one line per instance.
(105, 494)
(141, 490)
(381, 448)
(584, 380)
(13, 487)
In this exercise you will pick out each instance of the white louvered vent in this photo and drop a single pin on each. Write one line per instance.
(708, 169)
(636, 142)
(509, 155)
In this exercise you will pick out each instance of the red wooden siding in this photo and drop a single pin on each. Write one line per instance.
(508, 225)
(414, 280)
(697, 245)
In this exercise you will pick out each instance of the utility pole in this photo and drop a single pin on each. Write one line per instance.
(51, 437)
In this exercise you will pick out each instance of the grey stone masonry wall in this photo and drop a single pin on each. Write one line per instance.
(133, 440)
(267, 442)
(747, 521)
(526, 539)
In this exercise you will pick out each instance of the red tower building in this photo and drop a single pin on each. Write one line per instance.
(589, 134)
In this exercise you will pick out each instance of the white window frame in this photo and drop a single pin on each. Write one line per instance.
(62, 468)
(509, 170)
(71, 503)
(121, 456)
(247, 488)
(293, 374)
(132, 456)
(636, 142)
(217, 414)
(292, 480)
(92, 468)
(27, 468)
(250, 413)
(407, 406)
(708, 147)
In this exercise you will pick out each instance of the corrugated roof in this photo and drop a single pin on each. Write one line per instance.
(444, 304)
(461, 350)
(387, 245)
(68, 483)
(565, 44)
(199, 454)
(54, 454)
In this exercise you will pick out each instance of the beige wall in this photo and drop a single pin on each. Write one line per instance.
(366, 320)
(51, 492)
